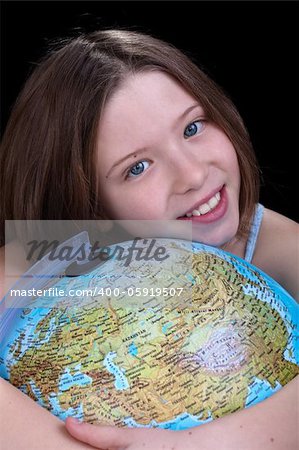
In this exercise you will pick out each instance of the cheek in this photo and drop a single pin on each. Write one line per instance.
(230, 160)
(109, 201)
(131, 203)
(116, 206)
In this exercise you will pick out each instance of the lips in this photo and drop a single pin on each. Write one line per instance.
(205, 201)
(210, 208)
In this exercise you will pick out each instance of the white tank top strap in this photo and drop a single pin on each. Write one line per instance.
(254, 232)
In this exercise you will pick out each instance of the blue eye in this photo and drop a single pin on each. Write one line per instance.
(137, 169)
(193, 128)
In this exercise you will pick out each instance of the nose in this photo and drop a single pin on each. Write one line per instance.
(187, 172)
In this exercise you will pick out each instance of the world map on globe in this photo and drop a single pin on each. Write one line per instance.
(169, 344)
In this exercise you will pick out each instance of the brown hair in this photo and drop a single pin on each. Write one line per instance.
(47, 155)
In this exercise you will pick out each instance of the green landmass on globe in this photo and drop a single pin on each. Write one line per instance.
(226, 338)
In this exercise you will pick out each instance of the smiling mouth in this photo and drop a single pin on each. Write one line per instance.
(205, 208)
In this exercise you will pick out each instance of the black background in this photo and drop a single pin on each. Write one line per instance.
(249, 48)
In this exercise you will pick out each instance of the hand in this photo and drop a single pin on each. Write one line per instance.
(109, 437)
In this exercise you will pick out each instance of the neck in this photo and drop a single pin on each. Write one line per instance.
(236, 246)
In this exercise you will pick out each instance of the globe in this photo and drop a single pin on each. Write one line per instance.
(173, 342)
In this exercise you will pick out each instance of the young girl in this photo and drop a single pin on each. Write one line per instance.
(120, 125)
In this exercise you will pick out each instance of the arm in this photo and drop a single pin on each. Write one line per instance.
(270, 425)
(25, 425)
(277, 251)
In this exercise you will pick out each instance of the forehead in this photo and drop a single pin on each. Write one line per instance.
(153, 94)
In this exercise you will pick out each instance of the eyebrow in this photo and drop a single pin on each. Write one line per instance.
(143, 149)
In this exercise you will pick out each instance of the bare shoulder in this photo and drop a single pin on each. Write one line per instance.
(277, 251)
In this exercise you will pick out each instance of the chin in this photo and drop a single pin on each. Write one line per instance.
(216, 239)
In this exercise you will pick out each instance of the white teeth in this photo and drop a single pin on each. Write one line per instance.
(195, 212)
(213, 202)
(206, 207)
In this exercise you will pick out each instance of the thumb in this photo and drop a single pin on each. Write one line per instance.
(102, 437)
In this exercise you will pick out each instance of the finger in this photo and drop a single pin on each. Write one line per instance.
(104, 437)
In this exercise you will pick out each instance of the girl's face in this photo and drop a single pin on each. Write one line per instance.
(159, 158)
